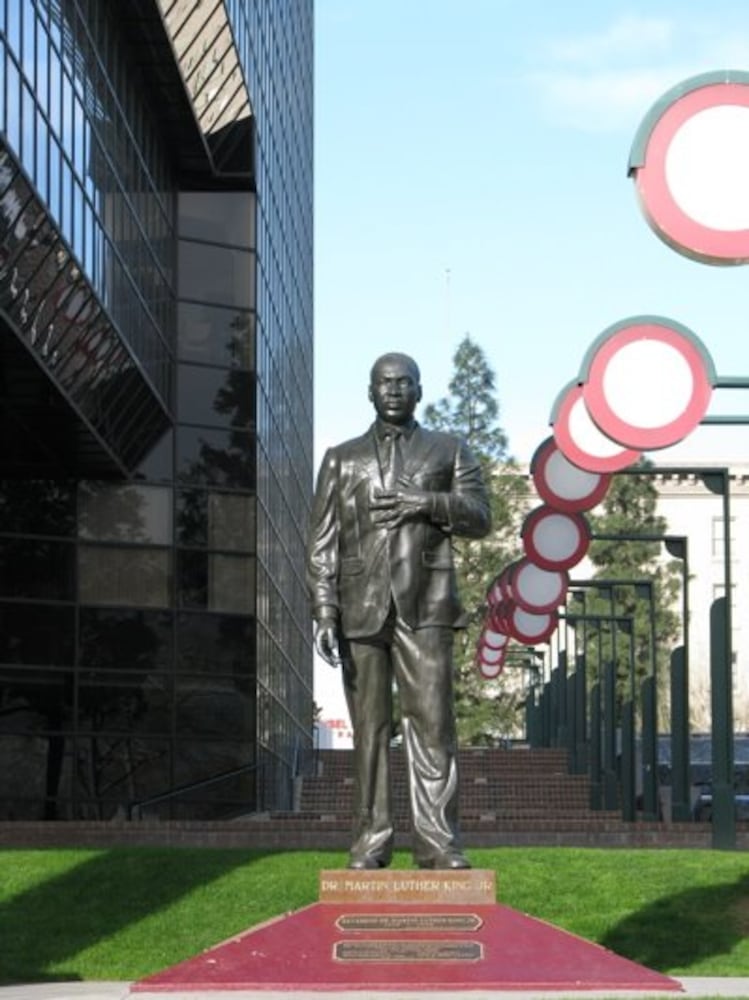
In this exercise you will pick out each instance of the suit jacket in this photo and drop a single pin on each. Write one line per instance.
(356, 566)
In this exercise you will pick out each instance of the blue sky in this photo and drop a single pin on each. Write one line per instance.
(471, 177)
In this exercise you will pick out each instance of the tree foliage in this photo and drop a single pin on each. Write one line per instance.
(485, 711)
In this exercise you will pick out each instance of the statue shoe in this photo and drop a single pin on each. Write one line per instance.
(448, 860)
(366, 863)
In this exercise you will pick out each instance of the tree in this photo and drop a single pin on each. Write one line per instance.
(629, 510)
(485, 712)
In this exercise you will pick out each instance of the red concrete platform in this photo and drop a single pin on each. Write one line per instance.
(392, 946)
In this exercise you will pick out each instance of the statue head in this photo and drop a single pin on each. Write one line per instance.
(395, 387)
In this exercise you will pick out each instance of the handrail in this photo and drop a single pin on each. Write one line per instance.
(134, 809)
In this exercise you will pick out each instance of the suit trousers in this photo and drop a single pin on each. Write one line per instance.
(421, 662)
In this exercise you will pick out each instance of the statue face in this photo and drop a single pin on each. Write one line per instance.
(394, 390)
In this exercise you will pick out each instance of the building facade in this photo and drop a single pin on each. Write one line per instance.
(155, 405)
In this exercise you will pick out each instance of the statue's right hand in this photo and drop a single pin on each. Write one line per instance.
(326, 643)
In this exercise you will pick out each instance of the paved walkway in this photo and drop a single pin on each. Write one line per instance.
(735, 988)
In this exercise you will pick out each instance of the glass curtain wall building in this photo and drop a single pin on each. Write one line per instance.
(155, 405)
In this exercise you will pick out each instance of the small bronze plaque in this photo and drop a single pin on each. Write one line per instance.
(462, 887)
(409, 922)
(407, 951)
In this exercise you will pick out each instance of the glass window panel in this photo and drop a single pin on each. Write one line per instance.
(215, 396)
(231, 522)
(220, 644)
(216, 582)
(120, 702)
(214, 706)
(157, 465)
(231, 583)
(125, 640)
(35, 699)
(215, 757)
(192, 517)
(125, 513)
(221, 458)
(219, 217)
(216, 335)
(132, 577)
(215, 274)
(37, 633)
(192, 579)
(37, 506)
(116, 769)
(37, 569)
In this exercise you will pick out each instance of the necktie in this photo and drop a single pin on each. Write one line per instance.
(392, 459)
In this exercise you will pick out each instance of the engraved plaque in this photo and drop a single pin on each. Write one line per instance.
(407, 951)
(409, 922)
(470, 886)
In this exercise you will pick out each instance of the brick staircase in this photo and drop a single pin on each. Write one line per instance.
(509, 797)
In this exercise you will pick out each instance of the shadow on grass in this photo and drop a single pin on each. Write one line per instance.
(68, 913)
(680, 931)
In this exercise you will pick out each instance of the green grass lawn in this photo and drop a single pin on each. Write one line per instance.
(120, 914)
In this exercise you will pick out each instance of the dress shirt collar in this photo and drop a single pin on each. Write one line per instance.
(384, 429)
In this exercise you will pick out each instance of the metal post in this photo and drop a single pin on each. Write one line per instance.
(724, 811)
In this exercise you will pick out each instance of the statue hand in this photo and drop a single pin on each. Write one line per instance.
(326, 643)
(390, 508)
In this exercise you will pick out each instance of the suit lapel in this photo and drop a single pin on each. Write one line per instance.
(366, 461)
(420, 446)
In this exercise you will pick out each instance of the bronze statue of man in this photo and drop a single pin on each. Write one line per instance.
(383, 588)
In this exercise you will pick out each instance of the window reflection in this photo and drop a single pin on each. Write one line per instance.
(216, 582)
(127, 576)
(216, 335)
(37, 569)
(221, 217)
(215, 643)
(214, 706)
(215, 396)
(36, 633)
(216, 274)
(125, 640)
(223, 458)
(124, 513)
(38, 506)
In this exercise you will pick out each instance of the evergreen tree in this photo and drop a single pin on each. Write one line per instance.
(485, 711)
(629, 510)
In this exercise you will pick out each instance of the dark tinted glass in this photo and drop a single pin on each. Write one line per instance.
(222, 707)
(223, 458)
(112, 701)
(215, 335)
(220, 217)
(37, 506)
(192, 579)
(216, 275)
(217, 644)
(36, 633)
(191, 518)
(125, 640)
(36, 699)
(157, 466)
(37, 569)
(215, 396)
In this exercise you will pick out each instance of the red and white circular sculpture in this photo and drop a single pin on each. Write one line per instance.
(647, 382)
(538, 590)
(555, 539)
(530, 627)
(690, 164)
(563, 485)
(581, 440)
